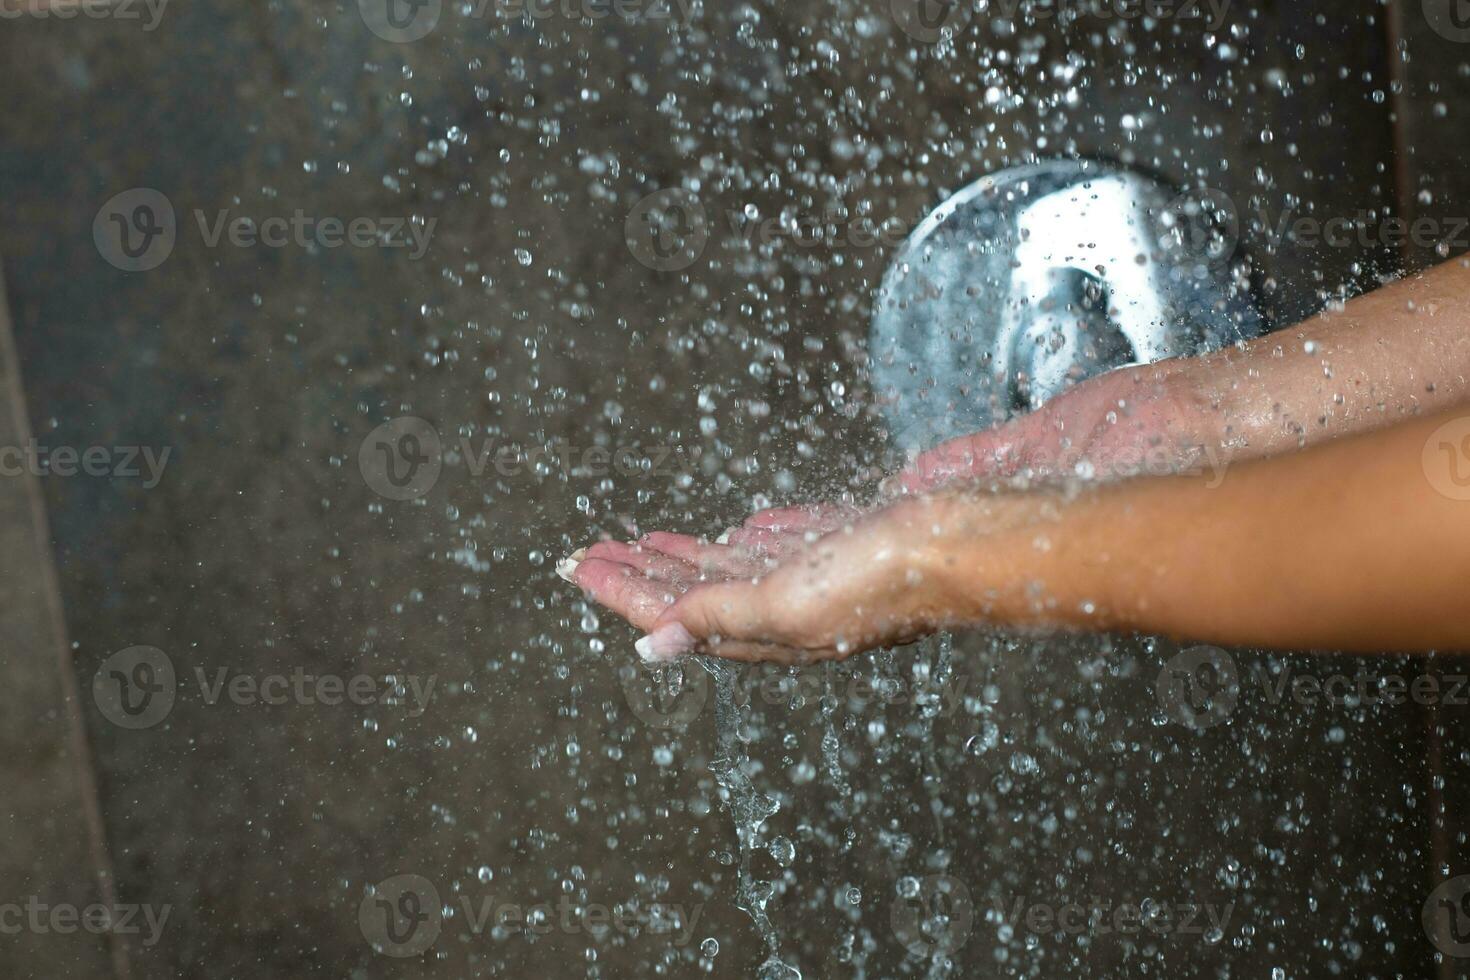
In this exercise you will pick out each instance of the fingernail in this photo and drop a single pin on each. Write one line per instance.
(724, 537)
(665, 644)
(569, 564)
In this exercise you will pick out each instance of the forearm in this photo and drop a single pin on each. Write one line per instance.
(1347, 546)
(1377, 360)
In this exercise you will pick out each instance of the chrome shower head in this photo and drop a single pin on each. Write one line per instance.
(1037, 277)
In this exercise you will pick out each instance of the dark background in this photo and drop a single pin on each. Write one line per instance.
(263, 550)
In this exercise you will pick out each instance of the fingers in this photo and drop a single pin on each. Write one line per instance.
(729, 610)
(819, 518)
(685, 547)
(981, 454)
(731, 620)
(758, 541)
(653, 564)
(714, 561)
(721, 619)
(691, 595)
(625, 590)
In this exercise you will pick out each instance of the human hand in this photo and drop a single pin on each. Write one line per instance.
(1135, 420)
(1147, 419)
(877, 579)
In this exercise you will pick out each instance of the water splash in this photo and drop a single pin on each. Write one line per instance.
(831, 744)
(750, 809)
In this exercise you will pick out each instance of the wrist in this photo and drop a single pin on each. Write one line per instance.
(1020, 560)
(1194, 401)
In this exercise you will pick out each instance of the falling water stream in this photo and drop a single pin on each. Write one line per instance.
(750, 808)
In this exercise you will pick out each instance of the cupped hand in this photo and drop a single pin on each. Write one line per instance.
(775, 593)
